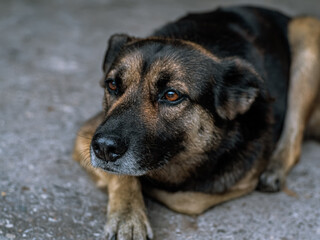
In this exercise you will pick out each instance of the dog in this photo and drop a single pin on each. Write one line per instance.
(206, 109)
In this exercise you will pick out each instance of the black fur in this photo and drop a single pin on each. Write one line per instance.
(260, 37)
(254, 54)
(255, 34)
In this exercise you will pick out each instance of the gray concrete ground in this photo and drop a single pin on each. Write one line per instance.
(50, 58)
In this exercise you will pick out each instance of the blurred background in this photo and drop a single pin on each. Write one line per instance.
(50, 65)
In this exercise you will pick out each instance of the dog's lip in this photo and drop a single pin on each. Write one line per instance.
(98, 163)
(108, 169)
(114, 167)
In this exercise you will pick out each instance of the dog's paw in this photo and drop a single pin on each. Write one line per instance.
(271, 180)
(131, 224)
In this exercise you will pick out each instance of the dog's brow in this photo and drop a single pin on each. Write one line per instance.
(166, 79)
(120, 72)
(164, 70)
(129, 68)
(163, 79)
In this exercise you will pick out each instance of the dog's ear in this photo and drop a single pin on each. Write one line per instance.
(237, 89)
(115, 44)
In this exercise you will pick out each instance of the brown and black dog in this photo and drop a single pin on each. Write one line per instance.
(206, 109)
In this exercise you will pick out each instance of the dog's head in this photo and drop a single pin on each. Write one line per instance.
(166, 99)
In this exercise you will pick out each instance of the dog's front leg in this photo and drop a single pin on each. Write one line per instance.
(126, 217)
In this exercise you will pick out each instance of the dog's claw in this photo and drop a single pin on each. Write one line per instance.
(271, 181)
(130, 225)
(109, 233)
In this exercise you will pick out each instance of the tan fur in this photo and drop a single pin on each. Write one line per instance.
(81, 151)
(176, 171)
(149, 112)
(168, 64)
(194, 203)
(132, 64)
(131, 71)
(304, 38)
(126, 209)
(313, 128)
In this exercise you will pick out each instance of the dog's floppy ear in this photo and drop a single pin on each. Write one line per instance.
(237, 89)
(115, 44)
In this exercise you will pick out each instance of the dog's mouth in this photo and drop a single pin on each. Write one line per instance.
(126, 165)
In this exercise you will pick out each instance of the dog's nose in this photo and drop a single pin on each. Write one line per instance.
(108, 148)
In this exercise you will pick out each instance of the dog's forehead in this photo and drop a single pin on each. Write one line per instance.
(138, 67)
(151, 60)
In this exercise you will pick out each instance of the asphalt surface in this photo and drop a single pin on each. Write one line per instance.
(50, 58)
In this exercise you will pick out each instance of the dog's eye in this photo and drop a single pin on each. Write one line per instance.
(111, 85)
(171, 96)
